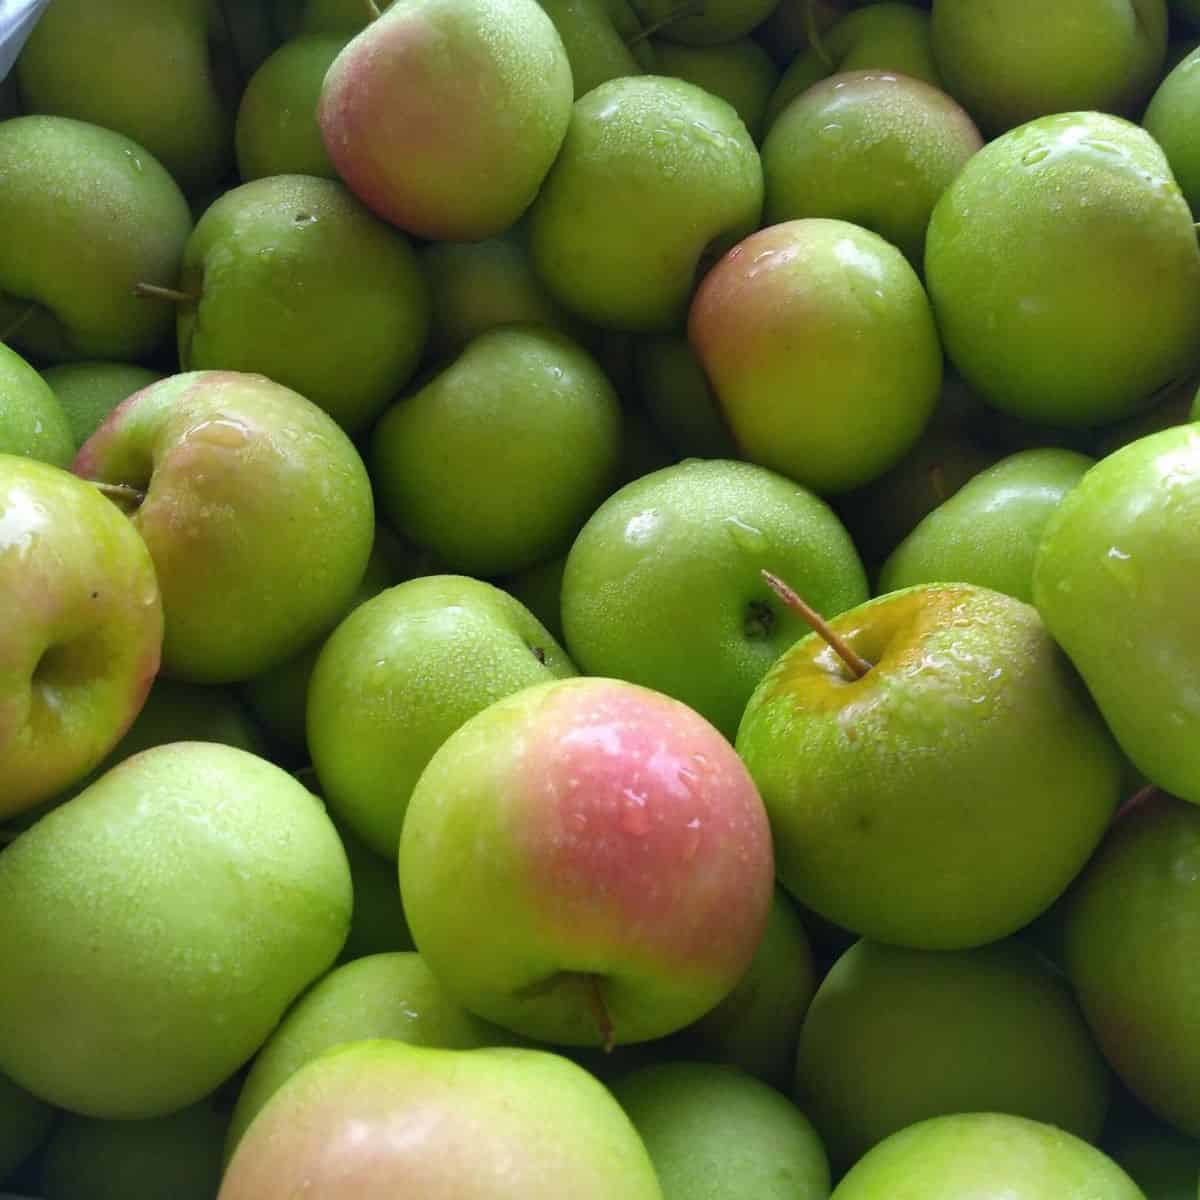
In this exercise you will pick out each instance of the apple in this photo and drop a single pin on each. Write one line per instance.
(820, 345)
(89, 391)
(1119, 544)
(663, 586)
(873, 147)
(374, 1119)
(1171, 119)
(97, 216)
(987, 1156)
(905, 793)
(33, 423)
(656, 177)
(81, 627)
(539, 588)
(715, 1131)
(292, 278)
(435, 157)
(255, 506)
(399, 675)
(1033, 59)
(599, 46)
(895, 1036)
(1064, 271)
(713, 23)
(586, 862)
(434, 461)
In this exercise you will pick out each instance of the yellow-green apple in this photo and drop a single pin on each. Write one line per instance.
(1008, 64)
(587, 862)
(896, 1036)
(434, 454)
(292, 278)
(989, 531)
(601, 40)
(98, 215)
(1064, 271)
(158, 925)
(89, 391)
(1172, 117)
(987, 1156)
(714, 1131)
(663, 586)
(255, 506)
(81, 627)
(277, 132)
(399, 675)
(1131, 948)
(820, 345)
(93, 64)
(374, 1120)
(444, 116)
(707, 24)
(675, 391)
(656, 176)
(24, 1123)
(873, 147)
(393, 996)
(906, 791)
(32, 421)
(1119, 545)
(881, 37)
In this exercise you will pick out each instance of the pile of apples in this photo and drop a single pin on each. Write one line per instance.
(598, 599)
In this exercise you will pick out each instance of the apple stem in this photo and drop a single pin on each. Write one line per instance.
(815, 40)
(121, 494)
(600, 1011)
(373, 11)
(690, 8)
(152, 291)
(937, 480)
(857, 664)
(18, 322)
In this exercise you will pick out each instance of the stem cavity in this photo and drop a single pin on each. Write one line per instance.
(857, 664)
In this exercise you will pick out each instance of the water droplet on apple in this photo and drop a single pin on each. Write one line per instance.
(747, 536)
(223, 432)
(635, 820)
(1038, 154)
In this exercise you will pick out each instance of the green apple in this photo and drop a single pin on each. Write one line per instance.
(25, 1122)
(895, 1036)
(158, 925)
(97, 215)
(277, 131)
(675, 391)
(586, 862)
(597, 48)
(403, 672)
(882, 37)
(376, 1119)
(434, 460)
(1172, 118)
(1064, 271)
(393, 996)
(175, 1157)
(709, 24)
(32, 421)
(1119, 545)
(81, 626)
(294, 279)
(986, 1156)
(905, 795)
(89, 391)
(663, 586)
(437, 158)
(716, 1132)
(257, 511)
(539, 588)
(655, 178)
(989, 531)
(1131, 950)
(1028, 59)
(740, 72)
(141, 68)
(872, 147)
(820, 345)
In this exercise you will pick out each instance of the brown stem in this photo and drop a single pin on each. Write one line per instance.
(18, 322)
(123, 494)
(152, 291)
(815, 40)
(857, 664)
(600, 1012)
(689, 8)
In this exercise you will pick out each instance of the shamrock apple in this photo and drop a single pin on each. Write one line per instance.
(587, 862)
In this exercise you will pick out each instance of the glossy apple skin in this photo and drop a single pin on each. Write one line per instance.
(584, 836)
(987, 1156)
(443, 116)
(81, 627)
(820, 345)
(1122, 544)
(904, 804)
(1064, 271)
(257, 512)
(376, 1120)
(32, 421)
(1131, 938)
(89, 391)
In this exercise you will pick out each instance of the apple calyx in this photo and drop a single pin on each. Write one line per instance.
(857, 664)
(153, 291)
(124, 495)
(689, 8)
(600, 1012)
